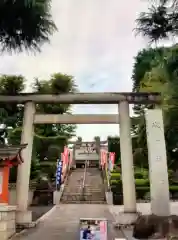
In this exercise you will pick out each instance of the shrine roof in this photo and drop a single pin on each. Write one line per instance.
(11, 150)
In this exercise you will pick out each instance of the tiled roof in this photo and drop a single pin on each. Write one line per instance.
(10, 150)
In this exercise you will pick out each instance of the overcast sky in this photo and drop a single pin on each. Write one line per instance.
(96, 44)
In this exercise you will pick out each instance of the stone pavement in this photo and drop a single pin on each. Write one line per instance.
(63, 222)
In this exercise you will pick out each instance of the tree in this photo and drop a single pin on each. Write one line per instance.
(25, 24)
(54, 135)
(10, 114)
(160, 22)
(147, 77)
(139, 142)
(145, 60)
(79, 140)
(49, 140)
(161, 75)
(97, 144)
(114, 146)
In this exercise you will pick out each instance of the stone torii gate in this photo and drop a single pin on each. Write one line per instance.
(155, 138)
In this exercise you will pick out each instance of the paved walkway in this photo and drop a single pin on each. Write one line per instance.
(63, 222)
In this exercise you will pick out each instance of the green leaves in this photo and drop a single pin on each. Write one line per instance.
(25, 24)
(159, 22)
(114, 146)
(49, 140)
(157, 75)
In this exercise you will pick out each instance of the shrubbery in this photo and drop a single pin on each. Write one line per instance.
(141, 183)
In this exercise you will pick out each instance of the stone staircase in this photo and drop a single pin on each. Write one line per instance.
(93, 191)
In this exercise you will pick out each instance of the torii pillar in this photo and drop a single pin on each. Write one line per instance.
(23, 216)
(129, 215)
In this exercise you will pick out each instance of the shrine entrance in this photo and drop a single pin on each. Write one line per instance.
(89, 151)
(155, 138)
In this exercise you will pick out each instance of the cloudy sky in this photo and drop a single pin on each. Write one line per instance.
(96, 44)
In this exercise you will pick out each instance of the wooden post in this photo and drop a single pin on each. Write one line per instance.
(4, 184)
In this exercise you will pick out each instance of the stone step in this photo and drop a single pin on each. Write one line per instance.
(69, 200)
(85, 192)
(93, 191)
(92, 186)
(85, 189)
(86, 196)
(83, 202)
(75, 197)
(77, 192)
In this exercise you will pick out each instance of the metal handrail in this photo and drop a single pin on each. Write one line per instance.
(84, 179)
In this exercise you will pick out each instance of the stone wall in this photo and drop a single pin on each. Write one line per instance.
(7, 221)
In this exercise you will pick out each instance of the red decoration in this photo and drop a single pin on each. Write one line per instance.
(66, 155)
(112, 157)
(5, 165)
(12, 161)
(103, 157)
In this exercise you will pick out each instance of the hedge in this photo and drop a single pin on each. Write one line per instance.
(142, 193)
(141, 181)
(138, 182)
(143, 174)
(141, 185)
(138, 175)
(115, 176)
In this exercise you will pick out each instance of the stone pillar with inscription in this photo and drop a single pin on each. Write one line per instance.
(158, 170)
